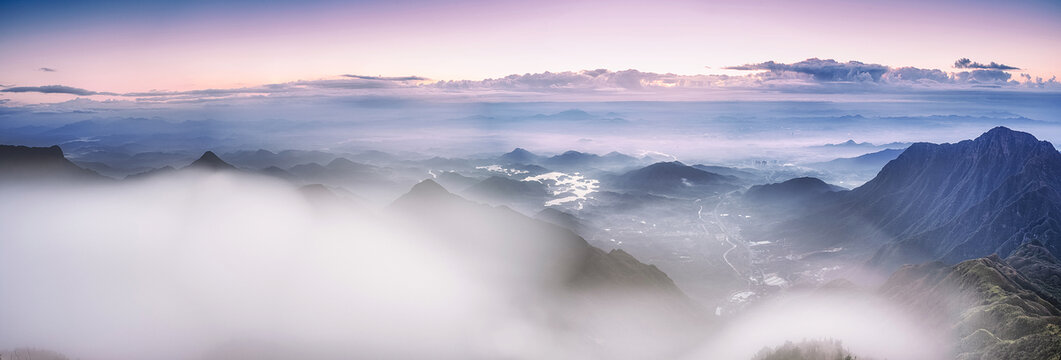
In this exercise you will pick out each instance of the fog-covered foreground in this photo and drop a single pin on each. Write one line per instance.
(172, 267)
(865, 324)
(224, 265)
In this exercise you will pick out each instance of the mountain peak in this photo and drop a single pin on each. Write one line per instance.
(209, 160)
(518, 155)
(428, 187)
(1006, 135)
(424, 195)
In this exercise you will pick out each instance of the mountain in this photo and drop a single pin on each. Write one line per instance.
(518, 156)
(566, 220)
(454, 180)
(326, 198)
(675, 178)
(746, 175)
(1040, 267)
(262, 158)
(948, 201)
(616, 158)
(571, 160)
(150, 173)
(210, 161)
(342, 172)
(501, 190)
(970, 199)
(40, 163)
(871, 162)
(277, 172)
(794, 190)
(852, 144)
(520, 241)
(987, 306)
(573, 114)
(345, 165)
(309, 170)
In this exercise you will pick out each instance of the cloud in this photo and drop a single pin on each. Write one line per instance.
(965, 63)
(823, 70)
(47, 69)
(55, 89)
(205, 92)
(598, 79)
(384, 78)
(916, 75)
(1038, 81)
(810, 76)
(983, 76)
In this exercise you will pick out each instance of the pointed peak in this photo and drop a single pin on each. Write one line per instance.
(210, 156)
(428, 187)
(209, 160)
(425, 193)
(1007, 134)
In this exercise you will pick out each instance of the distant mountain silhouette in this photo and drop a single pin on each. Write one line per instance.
(745, 175)
(210, 161)
(424, 192)
(862, 163)
(794, 190)
(277, 172)
(342, 172)
(40, 163)
(284, 159)
(344, 164)
(581, 161)
(454, 180)
(326, 198)
(571, 159)
(500, 190)
(150, 173)
(674, 178)
(518, 156)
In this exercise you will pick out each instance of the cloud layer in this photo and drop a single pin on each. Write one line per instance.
(55, 89)
(965, 63)
(812, 75)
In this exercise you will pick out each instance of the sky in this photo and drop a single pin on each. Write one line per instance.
(138, 46)
(694, 79)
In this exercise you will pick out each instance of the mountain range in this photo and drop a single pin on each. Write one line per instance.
(946, 201)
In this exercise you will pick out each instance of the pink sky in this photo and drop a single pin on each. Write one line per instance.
(222, 48)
